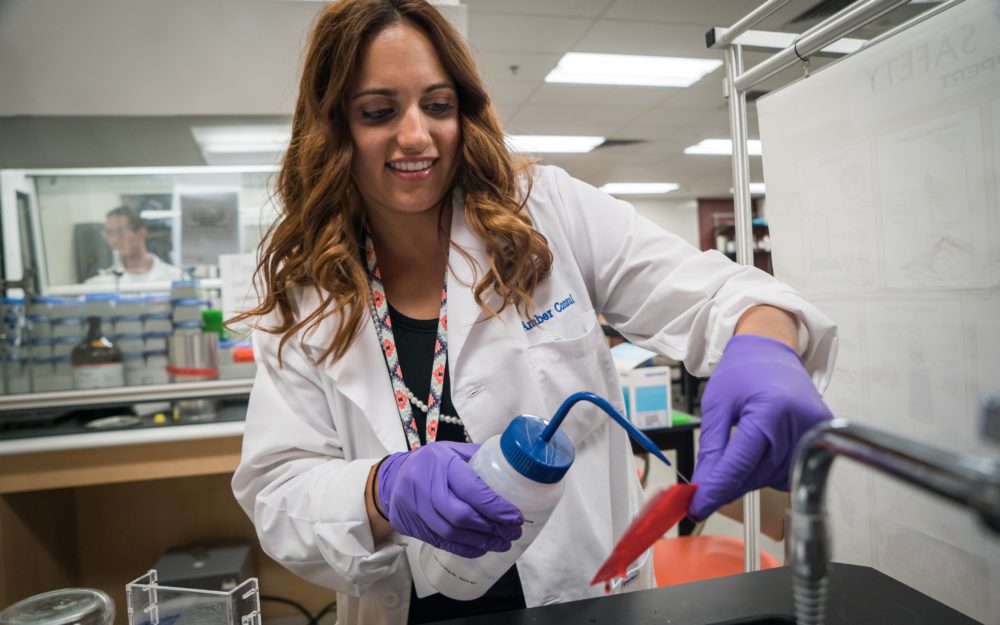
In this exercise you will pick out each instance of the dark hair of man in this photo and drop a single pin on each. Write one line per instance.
(134, 220)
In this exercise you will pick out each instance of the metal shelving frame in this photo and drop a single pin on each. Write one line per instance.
(738, 82)
(126, 394)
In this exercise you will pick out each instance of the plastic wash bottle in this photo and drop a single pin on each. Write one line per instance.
(524, 465)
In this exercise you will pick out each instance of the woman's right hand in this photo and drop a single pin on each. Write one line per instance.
(431, 493)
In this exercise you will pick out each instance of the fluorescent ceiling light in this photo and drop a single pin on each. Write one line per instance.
(630, 69)
(638, 188)
(721, 146)
(242, 145)
(229, 139)
(552, 144)
(756, 188)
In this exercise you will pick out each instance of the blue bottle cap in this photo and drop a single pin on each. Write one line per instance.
(532, 457)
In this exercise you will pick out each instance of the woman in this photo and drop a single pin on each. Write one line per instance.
(423, 286)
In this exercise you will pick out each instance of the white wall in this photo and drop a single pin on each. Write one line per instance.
(67, 58)
(881, 175)
(679, 217)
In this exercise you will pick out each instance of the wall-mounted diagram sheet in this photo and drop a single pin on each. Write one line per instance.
(883, 176)
(933, 200)
(837, 197)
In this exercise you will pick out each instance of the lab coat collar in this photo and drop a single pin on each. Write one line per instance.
(361, 375)
(464, 271)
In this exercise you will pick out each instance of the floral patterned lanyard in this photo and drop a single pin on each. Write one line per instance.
(383, 327)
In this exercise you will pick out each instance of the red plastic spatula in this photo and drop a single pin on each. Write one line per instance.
(661, 513)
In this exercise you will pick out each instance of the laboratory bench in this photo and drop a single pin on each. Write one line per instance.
(858, 595)
(97, 508)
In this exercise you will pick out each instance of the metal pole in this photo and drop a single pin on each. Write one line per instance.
(910, 23)
(126, 394)
(744, 255)
(817, 38)
(722, 38)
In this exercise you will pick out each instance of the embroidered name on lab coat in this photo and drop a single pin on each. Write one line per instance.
(556, 309)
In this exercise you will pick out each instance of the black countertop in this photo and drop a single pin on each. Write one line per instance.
(858, 595)
(24, 424)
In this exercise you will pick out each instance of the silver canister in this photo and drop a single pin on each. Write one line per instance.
(193, 356)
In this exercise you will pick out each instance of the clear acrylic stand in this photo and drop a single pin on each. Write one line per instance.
(151, 604)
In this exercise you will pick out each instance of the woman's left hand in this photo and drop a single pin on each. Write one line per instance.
(761, 387)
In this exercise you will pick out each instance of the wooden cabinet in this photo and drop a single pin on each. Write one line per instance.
(717, 230)
(102, 516)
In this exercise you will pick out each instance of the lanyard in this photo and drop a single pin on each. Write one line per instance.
(383, 327)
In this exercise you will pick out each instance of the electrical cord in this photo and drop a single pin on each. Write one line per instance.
(323, 612)
(311, 619)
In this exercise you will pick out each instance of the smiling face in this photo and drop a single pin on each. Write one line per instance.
(403, 119)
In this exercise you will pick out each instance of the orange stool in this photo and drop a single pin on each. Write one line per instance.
(694, 558)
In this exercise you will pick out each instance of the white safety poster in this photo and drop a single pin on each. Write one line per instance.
(210, 223)
(881, 173)
(236, 275)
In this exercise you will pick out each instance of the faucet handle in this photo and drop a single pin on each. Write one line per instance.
(989, 417)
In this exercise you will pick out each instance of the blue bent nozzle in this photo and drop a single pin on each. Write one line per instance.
(604, 405)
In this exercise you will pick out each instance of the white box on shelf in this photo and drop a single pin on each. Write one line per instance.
(156, 369)
(646, 388)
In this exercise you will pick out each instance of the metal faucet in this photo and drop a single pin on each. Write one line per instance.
(972, 481)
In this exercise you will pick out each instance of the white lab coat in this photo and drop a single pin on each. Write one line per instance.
(159, 271)
(313, 431)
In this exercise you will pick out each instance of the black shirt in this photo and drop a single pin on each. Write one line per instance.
(415, 350)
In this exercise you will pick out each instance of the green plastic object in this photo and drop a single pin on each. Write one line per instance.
(211, 321)
(681, 418)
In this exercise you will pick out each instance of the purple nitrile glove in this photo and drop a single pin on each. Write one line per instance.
(761, 387)
(431, 493)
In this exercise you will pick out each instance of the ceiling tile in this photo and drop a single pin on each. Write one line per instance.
(497, 31)
(594, 120)
(655, 38)
(600, 95)
(574, 8)
(706, 94)
(679, 117)
(528, 67)
(702, 12)
(510, 92)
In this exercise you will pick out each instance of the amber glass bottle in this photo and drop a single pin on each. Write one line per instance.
(97, 362)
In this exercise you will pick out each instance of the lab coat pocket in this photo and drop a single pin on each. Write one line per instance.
(569, 365)
(563, 319)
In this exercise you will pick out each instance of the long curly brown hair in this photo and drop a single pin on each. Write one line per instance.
(314, 242)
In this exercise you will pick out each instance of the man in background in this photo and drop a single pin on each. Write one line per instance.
(126, 233)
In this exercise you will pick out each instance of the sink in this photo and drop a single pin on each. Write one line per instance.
(857, 595)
